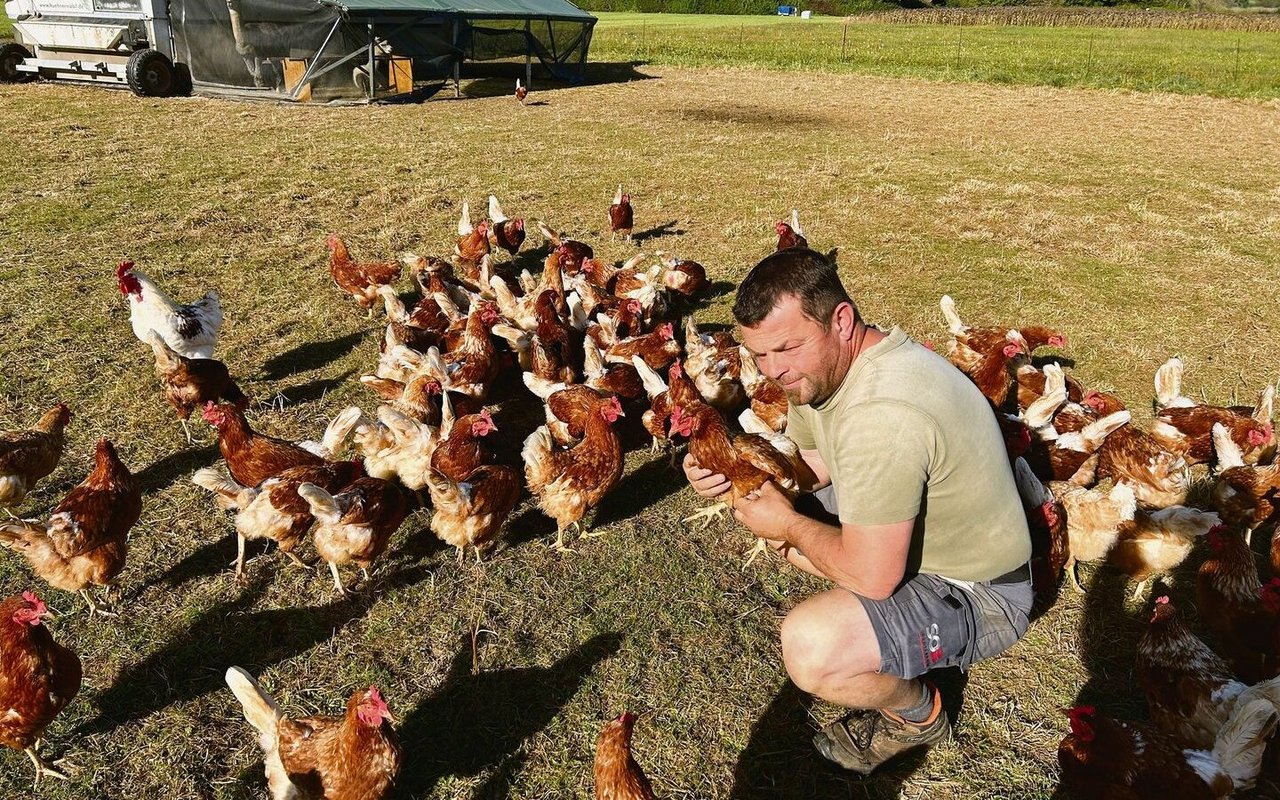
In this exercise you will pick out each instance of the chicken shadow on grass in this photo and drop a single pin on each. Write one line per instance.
(779, 762)
(165, 472)
(1109, 643)
(312, 390)
(638, 490)
(665, 229)
(193, 662)
(716, 290)
(473, 723)
(311, 355)
(1108, 650)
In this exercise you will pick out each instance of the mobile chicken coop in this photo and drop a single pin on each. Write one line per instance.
(289, 50)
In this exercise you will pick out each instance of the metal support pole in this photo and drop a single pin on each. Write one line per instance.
(457, 63)
(371, 76)
(528, 54)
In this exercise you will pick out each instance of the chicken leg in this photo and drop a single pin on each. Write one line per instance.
(240, 540)
(337, 580)
(560, 545)
(1073, 572)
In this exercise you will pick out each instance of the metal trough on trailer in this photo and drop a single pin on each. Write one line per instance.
(126, 42)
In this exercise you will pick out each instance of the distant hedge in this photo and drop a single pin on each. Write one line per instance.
(830, 7)
(846, 7)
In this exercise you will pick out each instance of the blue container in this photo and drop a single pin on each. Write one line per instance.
(786, 11)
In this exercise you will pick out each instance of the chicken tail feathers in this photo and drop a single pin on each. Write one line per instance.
(654, 385)
(260, 708)
(1169, 383)
(954, 325)
(230, 495)
(751, 423)
(323, 507)
(339, 430)
(593, 359)
(749, 372)
(536, 454)
(464, 220)
(1185, 521)
(577, 312)
(166, 356)
(15, 534)
(506, 299)
(495, 208)
(1266, 403)
(235, 395)
(1225, 449)
(1241, 742)
(542, 387)
(1096, 431)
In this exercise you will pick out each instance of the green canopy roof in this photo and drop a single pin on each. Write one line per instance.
(494, 9)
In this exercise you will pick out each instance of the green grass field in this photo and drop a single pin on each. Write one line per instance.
(1217, 62)
(1144, 225)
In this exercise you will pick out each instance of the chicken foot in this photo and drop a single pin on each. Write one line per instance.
(294, 558)
(759, 547)
(94, 608)
(342, 590)
(44, 768)
(560, 545)
(709, 513)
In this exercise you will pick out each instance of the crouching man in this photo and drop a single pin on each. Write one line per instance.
(915, 516)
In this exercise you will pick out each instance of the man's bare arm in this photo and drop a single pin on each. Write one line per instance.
(868, 560)
(821, 477)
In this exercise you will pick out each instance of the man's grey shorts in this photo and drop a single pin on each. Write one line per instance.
(930, 623)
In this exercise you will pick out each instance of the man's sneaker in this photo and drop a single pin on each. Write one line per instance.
(861, 740)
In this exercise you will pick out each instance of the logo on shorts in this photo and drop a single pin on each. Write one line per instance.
(935, 644)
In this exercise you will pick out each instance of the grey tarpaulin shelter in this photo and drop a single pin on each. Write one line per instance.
(326, 50)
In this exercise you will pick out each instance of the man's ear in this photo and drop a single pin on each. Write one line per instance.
(845, 320)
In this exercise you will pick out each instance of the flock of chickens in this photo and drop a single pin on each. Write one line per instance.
(593, 341)
(1098, 487)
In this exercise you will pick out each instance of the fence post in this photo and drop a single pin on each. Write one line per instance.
(1236, 77)
(959, 43)
(844, 39)
(1088, 62)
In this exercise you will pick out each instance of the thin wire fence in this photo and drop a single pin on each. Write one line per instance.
(1193, 60)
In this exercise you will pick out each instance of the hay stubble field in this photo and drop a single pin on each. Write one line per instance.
(1144, 225)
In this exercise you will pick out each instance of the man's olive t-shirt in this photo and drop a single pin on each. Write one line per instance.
(908, 435)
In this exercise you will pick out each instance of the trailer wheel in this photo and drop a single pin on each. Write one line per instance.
(151, 74)
(10, 55)
(182, 86)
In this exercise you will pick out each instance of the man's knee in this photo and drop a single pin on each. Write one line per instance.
(815, 653)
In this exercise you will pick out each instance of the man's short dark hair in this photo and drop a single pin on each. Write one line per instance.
(797, 272)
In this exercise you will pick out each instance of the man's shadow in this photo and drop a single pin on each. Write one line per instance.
(474, 722)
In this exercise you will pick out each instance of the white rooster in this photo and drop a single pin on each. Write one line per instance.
(189, 329)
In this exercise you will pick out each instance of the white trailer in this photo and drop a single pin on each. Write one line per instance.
(126, 42)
